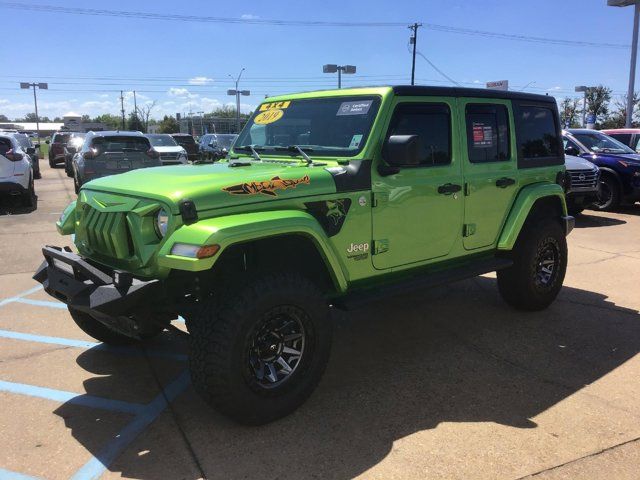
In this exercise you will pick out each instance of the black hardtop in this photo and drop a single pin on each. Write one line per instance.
(431, 91)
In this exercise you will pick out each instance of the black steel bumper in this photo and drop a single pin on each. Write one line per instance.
(72, 280)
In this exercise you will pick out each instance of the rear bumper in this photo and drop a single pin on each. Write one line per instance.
(71, 279)
(11, 188)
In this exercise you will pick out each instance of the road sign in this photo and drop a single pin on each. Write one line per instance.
(498, 85)
(591, 118)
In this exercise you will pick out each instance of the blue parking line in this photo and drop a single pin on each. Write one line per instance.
(73, 398)
(41, 303)
(20, 295)
(95, 467)
(67, 342)
(9, 475)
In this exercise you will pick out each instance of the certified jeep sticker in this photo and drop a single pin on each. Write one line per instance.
(268, 116)
(270, 106)
(266, 187)
(354, 108)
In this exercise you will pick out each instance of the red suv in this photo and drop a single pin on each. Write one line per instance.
(56, 147)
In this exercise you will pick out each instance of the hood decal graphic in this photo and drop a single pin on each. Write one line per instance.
(267, 187)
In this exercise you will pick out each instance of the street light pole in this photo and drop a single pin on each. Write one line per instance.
(585, 90)
(237, 93)
(333, 68)
(43, 86)
(634, 53)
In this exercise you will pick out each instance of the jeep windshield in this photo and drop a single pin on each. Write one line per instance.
(601, 143)
(330, 126)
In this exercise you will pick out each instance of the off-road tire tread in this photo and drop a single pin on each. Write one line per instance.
(516, 283)
(217, 325)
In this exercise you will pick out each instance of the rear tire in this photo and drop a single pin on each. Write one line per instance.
(539, 266)
(101, 332)
(259, 350)
(609, 194)
(29, 198)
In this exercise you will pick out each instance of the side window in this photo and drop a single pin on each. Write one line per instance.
(432, 123)
(5, 145)
(538, 135)
(487, 133)
(622, 137)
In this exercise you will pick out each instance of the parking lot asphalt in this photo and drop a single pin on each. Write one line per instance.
(450, 383)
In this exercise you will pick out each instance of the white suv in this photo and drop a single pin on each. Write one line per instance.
(16, 171)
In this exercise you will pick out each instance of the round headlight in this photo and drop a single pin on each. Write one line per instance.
(162, 222)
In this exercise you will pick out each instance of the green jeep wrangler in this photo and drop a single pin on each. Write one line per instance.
(328, 199)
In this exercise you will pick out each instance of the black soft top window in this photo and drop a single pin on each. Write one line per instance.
(487, 133)
(61, 138)
(538, 135)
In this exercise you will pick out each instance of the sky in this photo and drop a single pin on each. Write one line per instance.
(187, 66)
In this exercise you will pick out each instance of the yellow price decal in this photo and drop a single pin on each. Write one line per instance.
(275, 105)
(267, 117)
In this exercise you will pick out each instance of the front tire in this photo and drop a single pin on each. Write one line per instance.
(29, 198)
(609, 194)
(259, 350)
(539, 266)
(102, 333)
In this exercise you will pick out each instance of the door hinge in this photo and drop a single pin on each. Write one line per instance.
(380, 246)
(374, 200)
(468, 229)
(467, 189)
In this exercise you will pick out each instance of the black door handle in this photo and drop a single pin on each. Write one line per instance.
(504, 182)
(449, 188)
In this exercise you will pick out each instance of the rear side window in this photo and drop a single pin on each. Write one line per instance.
(120, 144)
(432, 123)
(538, 135)
(622, 137)
(185, 140)
(487, 133)
(61, 138)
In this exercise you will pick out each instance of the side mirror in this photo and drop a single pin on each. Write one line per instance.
(571, 150)
(47, 142)
(401, 150)
(31, 150)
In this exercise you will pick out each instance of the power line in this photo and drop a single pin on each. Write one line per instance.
(297, 23)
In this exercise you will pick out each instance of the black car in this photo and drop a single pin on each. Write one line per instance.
(72, 146)
(187, 142)
(215, 146)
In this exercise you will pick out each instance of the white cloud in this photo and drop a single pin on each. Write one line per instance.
(200, 80)
(249, 16)
(554, 89)
(181, 93)
(97, 105)
(477, 81)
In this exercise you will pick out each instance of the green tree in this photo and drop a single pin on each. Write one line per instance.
(169, 124)
(86, 118)
(113, 122)
(3, 118)
(598, 99)
(226, 111)
(570, 112)
(134, 123)
(618, 117)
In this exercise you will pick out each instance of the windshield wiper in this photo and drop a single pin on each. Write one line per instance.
(251, 149)
(300, 150)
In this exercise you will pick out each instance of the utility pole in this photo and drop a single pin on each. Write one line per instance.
(135, 104)
(414, 41)
(201, 123)
(42, 86)
(122, 108)
(634, 53)
(237, 93)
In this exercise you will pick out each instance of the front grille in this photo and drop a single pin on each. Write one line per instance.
(169, 158)
(583, 178)
(107, 232)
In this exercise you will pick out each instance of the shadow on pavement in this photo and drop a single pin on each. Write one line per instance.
(454, 354)
(584, 220)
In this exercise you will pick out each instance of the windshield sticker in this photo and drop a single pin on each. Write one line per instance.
(272, 106)
(355, 141)
(482, 135)
(354, 108)
(269, 116)
(266, 187)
